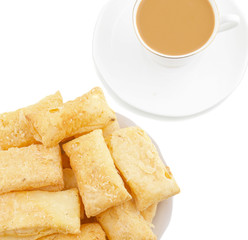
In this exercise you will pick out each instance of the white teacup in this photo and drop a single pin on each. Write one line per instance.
(222, 23)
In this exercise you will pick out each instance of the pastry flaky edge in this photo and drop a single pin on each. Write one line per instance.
(29, 168)
(34, 214)
(125, 222)
(14, 128)
(99, 183)
(112, 126)
(139, 163)
(71, 182)
(73, 118)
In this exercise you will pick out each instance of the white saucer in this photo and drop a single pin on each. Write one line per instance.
(164, 210)
(173, 92)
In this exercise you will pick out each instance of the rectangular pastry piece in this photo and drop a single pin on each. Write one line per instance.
(98, 181)
(90, 231)
(71, 182)
(14, 128)
(125, 222)
(37, 213)
(82, 115)
(32, 167)
(138, 160)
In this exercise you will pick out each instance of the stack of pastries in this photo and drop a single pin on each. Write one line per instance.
(68, 171)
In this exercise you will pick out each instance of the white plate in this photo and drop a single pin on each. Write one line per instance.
(164, 211)
(136, 79)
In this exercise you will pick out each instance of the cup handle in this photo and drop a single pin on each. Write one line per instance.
(228, 22)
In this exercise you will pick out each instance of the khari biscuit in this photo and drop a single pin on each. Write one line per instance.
(71, 182)
(149, 213)
(99, 183)
(90, 231)
(25, 214)
(82, 115)
(137, 159)
(32, 167)
(125, 222)
(14, 128)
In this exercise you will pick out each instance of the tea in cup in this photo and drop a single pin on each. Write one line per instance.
(174, 31)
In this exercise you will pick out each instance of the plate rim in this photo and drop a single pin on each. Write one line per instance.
(128, 122)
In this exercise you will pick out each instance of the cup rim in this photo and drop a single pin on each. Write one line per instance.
(210, 40)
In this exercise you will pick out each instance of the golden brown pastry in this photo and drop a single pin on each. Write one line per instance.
(137, 159)
(71, 182)
(32, 167)
(90, 231)
(14, 128)
(125, 222)
(38, 213)
(82, 115)
(98, 181)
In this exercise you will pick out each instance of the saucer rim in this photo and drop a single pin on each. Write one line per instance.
(141, 110)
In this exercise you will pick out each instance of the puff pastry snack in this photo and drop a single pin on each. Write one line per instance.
(71, 182)
(14, 128)
(125, 222)
(67, 164)
(90, 231)
(99, 183)
(73, 118)
(37, 213)
(137, 159)
(28, 168)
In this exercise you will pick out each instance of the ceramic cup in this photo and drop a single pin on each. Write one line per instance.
(222, 23)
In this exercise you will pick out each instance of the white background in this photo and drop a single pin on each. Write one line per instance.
(46, 46)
